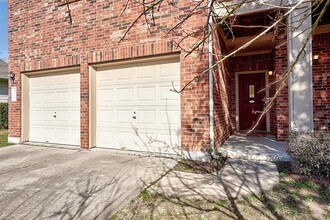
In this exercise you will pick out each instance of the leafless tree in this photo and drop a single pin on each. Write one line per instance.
(224, 14)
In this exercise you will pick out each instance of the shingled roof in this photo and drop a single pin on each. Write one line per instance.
(3, 70)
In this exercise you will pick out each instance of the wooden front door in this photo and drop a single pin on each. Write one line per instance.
(251, 100)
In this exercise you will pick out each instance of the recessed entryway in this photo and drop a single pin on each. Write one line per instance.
(135, 108)
(52, 114)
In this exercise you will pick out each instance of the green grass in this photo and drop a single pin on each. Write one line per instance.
(183, 168)
(147, 196)
(302, 184)
(4, 139)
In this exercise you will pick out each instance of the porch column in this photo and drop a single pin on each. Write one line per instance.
(300, 81)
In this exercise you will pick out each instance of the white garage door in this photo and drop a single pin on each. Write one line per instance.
(135, 109)
(55, 109)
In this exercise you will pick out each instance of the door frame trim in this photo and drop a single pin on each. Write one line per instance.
(237, 96)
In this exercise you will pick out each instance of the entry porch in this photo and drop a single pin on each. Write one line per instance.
(255, 148)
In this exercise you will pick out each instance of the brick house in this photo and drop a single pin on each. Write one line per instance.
(3, 81)
(76, 84)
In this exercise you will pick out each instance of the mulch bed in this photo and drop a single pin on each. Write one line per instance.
(200, 167)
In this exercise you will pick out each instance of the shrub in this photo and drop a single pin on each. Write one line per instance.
(310, 153)
(4, 115)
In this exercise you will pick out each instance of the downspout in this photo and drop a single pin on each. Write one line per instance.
(289, 57)
(211, 104)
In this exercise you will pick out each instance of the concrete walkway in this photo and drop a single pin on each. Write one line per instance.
(52, 183)
(237, 178)
(255, 148)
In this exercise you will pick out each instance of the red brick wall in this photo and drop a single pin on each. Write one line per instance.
(41, 37)
(321, 82)
(223, 125)
(281, 104)
(252, 63)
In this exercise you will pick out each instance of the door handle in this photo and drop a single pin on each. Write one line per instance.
(54, 115)
(134, 117)
(257, 112)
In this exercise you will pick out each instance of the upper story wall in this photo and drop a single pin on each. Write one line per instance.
(41, 37)
(40, 34)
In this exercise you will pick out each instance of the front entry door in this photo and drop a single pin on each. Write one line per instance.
(251, 100)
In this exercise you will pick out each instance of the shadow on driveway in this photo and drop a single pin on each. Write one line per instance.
(52, 183)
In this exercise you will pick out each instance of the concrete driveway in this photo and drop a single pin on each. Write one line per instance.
(53, 183)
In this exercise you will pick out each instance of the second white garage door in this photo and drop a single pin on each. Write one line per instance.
(55, 109)
(135, 109)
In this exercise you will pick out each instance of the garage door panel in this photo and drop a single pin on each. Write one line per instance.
(48, 97)
(47, 116)
(64, 81)
(167, 95)
(170, 116)
(75, 116)
(124, 138)
(35, 84)
(124, 94)
(64, 97)
(75, 80)
(49, 134)
(169, 70)
(68, 135)
(146, 93)
(55, 109)
(123, 74)
(75, 98)
(37, 129)
(67, 80)
(49, 81)
(148, 71)
(35, 98)
(107, 116)
(67, 116)
(105, 96)
(144, 89)
(145, 73)
(105, 136)
(169, 139)
(107, 77)
(116, 138)
(35, 115)
(124, 115)
(146, 117)
(170, 128)
(146, 140)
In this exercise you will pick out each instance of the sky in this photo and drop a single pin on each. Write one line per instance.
(3, 29)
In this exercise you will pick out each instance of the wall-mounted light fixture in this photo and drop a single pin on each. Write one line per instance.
(270, 73)
(316, 58)
(11, 76)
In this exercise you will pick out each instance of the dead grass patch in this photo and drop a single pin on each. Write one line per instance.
(295, 197)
